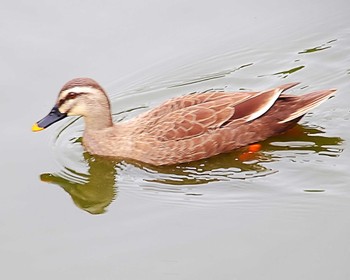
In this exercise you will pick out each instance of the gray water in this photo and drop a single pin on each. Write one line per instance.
(282, 214)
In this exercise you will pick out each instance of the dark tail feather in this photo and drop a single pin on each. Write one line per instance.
(308, 102)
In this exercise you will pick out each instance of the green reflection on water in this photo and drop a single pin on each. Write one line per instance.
(318, 48)
(285, 73)
(95, 190)
(92, 192)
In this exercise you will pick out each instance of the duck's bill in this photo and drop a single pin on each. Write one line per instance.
(54, 116)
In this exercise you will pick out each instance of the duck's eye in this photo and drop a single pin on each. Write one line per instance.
(70, 95)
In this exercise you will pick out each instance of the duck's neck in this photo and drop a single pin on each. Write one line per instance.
(98, 120)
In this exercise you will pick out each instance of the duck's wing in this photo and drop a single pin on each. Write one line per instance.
(195, 114)
(193, 99)
(192, 121)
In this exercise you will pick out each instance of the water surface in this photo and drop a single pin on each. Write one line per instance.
(281, 213)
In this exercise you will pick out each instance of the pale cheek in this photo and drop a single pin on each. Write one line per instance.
(78, 110)
(63, 109)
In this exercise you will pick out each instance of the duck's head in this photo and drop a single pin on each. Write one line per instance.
(78, 97)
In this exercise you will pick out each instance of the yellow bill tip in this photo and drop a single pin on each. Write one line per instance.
(36, 128)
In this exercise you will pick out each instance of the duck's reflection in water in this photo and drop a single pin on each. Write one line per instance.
(96, 189)
(92, 192)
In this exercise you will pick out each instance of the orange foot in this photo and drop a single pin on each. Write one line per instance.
(250, 154)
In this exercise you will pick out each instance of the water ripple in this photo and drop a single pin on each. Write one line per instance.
(94, 182)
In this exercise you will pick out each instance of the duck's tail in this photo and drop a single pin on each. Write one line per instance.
(306, 103)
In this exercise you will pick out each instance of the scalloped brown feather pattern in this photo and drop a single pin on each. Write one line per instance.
(198, 125)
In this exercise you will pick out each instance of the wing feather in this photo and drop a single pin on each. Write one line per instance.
(192, 121)
(195, 114)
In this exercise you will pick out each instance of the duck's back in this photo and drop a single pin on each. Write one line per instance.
(202, 125)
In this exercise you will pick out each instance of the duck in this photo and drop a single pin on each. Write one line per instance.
(183, 129)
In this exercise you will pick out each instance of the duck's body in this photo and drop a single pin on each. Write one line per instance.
(183, 129)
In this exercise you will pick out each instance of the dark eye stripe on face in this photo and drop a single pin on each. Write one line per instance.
(69, 96)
